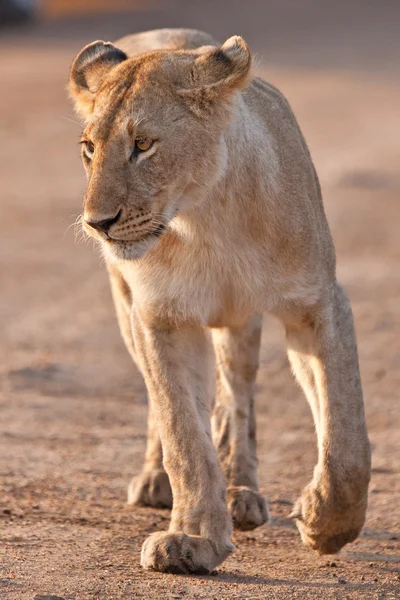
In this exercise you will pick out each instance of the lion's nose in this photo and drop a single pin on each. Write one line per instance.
(105, 224)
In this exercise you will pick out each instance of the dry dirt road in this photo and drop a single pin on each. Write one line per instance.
(73, 406)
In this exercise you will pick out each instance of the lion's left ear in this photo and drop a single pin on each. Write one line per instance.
(88, 70)
(218, 73)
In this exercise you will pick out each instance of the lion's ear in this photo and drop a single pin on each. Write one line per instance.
(217, 73)
(88, 70)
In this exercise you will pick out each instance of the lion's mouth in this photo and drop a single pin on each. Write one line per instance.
(156, 232)
(147, 238)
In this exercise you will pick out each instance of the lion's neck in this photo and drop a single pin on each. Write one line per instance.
(247, 183)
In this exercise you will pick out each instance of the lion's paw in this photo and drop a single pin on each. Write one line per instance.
(150, 488)
(181, 553)
(247, 507)
(327, 525)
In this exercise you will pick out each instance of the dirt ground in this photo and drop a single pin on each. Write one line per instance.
(73, 406)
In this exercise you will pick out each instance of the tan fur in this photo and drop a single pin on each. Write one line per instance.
(230, 186)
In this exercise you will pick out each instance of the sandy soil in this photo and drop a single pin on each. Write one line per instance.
(73, 407)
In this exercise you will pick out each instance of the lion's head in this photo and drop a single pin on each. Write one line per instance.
(153, 140)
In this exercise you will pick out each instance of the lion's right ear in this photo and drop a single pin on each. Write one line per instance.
(88, 71)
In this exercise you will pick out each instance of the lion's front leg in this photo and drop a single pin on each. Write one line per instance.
(323, 352)
(179, 374)
(234, 428)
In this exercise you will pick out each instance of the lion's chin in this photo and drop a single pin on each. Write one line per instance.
(122, 250)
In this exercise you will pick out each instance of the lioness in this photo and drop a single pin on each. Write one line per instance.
(204, 198)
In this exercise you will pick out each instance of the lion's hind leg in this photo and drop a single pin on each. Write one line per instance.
(323, 353)
(151, 487)
(234, 429)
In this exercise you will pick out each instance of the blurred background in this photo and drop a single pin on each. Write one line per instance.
(73, 406)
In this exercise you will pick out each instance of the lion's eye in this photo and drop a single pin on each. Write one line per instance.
(88, 148)
(143, 144)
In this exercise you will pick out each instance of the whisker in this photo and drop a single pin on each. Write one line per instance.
(68, 228)
(136, 116)
(157, 214)
(80, 234)
(73, 121)
(102, 260)
(74, 224)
